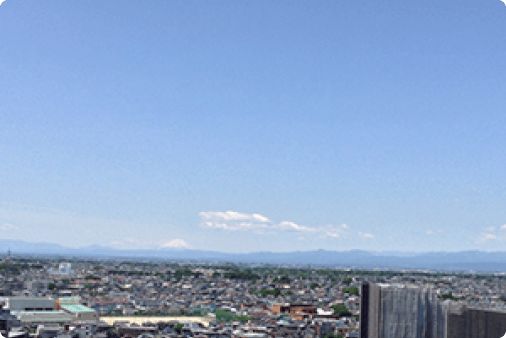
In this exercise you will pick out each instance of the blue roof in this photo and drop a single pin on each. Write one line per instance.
(77, 308)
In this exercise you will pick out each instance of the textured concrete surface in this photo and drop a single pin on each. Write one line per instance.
(398, 311)
(476, 323)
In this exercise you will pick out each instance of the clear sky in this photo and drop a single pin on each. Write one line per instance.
(254, 125)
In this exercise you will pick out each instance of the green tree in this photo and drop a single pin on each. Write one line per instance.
(352, 290)
(448, 295)
(284, 279)
(347, 280)
(178, 327)
(92, 277)
(182, 272)
(223, 316)
(243, 318)
(112, 333)
(267, 292)
(341, 310)
(330, 335)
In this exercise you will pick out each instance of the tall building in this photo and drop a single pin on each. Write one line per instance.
(7, 259)
(398, 311)
(476, 323)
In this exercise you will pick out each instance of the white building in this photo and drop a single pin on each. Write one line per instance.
(65, 269)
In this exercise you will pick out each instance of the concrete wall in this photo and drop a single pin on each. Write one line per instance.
(370, 311)
(374, 311)
(476, 323)
(401, 312)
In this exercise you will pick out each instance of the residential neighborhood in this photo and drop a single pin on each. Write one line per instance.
(111, 298)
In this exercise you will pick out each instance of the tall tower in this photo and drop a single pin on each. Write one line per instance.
(400, 311)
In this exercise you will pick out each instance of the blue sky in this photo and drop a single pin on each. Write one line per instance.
(254, 125)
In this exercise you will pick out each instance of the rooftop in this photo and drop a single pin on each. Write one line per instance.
(42, 316)
(77, 308)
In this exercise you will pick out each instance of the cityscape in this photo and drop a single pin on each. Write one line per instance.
(252, 169)
(48, 297)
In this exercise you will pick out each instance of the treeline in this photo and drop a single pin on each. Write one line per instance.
(13, 269)
(352, 290)
(271, 292)
(226, 316)
(246, 274)
(131, 272)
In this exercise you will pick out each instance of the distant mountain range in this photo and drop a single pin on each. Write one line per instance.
(456, 261)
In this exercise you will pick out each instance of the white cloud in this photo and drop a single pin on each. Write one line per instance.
(234, 216)
(290, 226)
(328, 230)
(233, 221)
(1, 1)
(492, 234)
(177, 244)
(334, 231)
(7, 227)
(236, 221)
(487, 237)
(361, 234)
(431, 232)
